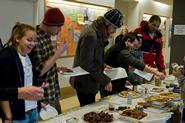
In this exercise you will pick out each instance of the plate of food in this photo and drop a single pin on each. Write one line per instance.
(117, 108)
(171, 95)
(125, 94)
(144, 104)
(133, 115)
(158, 101)
(157, 89)
(100, 117)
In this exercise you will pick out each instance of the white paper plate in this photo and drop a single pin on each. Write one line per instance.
(72, 120)
(48, 113)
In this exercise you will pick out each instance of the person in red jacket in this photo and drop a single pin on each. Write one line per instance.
(152, 43)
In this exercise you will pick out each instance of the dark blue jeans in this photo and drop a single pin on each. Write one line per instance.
(29, 117)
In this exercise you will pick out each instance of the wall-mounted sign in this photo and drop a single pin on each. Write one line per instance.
(179, 29)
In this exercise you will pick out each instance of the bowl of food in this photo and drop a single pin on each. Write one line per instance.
(157, 89)
(158, 101)
(171, 95)
(133, 115)
(97, 117)
(144, 104)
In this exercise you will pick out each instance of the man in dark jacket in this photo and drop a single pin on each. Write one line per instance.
(120, 55)
(90, 56)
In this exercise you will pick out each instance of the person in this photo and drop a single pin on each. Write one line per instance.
(120, 55)
(31, 92)
(17, 71)
(136, 52)
(179, 72)
(90, 56)
(45, 56)
(123, 32)
(27, 93)
(1, 44)
(152, 43)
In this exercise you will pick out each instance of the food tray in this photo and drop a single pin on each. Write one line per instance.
(157, 89)
(158, 105)
(152, 117)
(133, 113)
(116, 116)
(124, 94)
(171, 95)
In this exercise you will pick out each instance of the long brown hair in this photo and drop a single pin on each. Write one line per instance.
(104, 27)
(18, 31)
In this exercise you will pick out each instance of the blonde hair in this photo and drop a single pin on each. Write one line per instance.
(18, 31)
(124, 30)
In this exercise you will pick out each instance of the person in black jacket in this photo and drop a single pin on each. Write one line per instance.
(1, 44)
(120, 55)
(17, 71)
(31, 92)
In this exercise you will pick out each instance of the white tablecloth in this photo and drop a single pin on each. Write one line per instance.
(154, 115)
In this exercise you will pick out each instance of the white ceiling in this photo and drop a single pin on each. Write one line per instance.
(168, 2)
(128, 0)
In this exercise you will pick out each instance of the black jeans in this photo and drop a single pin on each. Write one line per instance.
(86, 98)
(117, 86)
(183, 115)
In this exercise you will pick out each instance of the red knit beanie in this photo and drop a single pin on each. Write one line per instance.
(53, 17)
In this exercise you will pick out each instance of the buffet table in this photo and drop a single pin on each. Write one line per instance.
(154, 115)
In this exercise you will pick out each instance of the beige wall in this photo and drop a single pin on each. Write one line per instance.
(12, 11)
(39, 11)
(151, 7)
(134, 10)
(133, 15)
(120, 5)
(109, 3)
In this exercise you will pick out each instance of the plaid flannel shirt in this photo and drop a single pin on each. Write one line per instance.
(43, 50)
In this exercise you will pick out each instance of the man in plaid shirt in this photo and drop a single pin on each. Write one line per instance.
(44, 55)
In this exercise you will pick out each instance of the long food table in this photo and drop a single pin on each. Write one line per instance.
(154, 115)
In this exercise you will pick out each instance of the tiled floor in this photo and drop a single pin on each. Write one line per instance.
(69, 103)
(70, 100)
